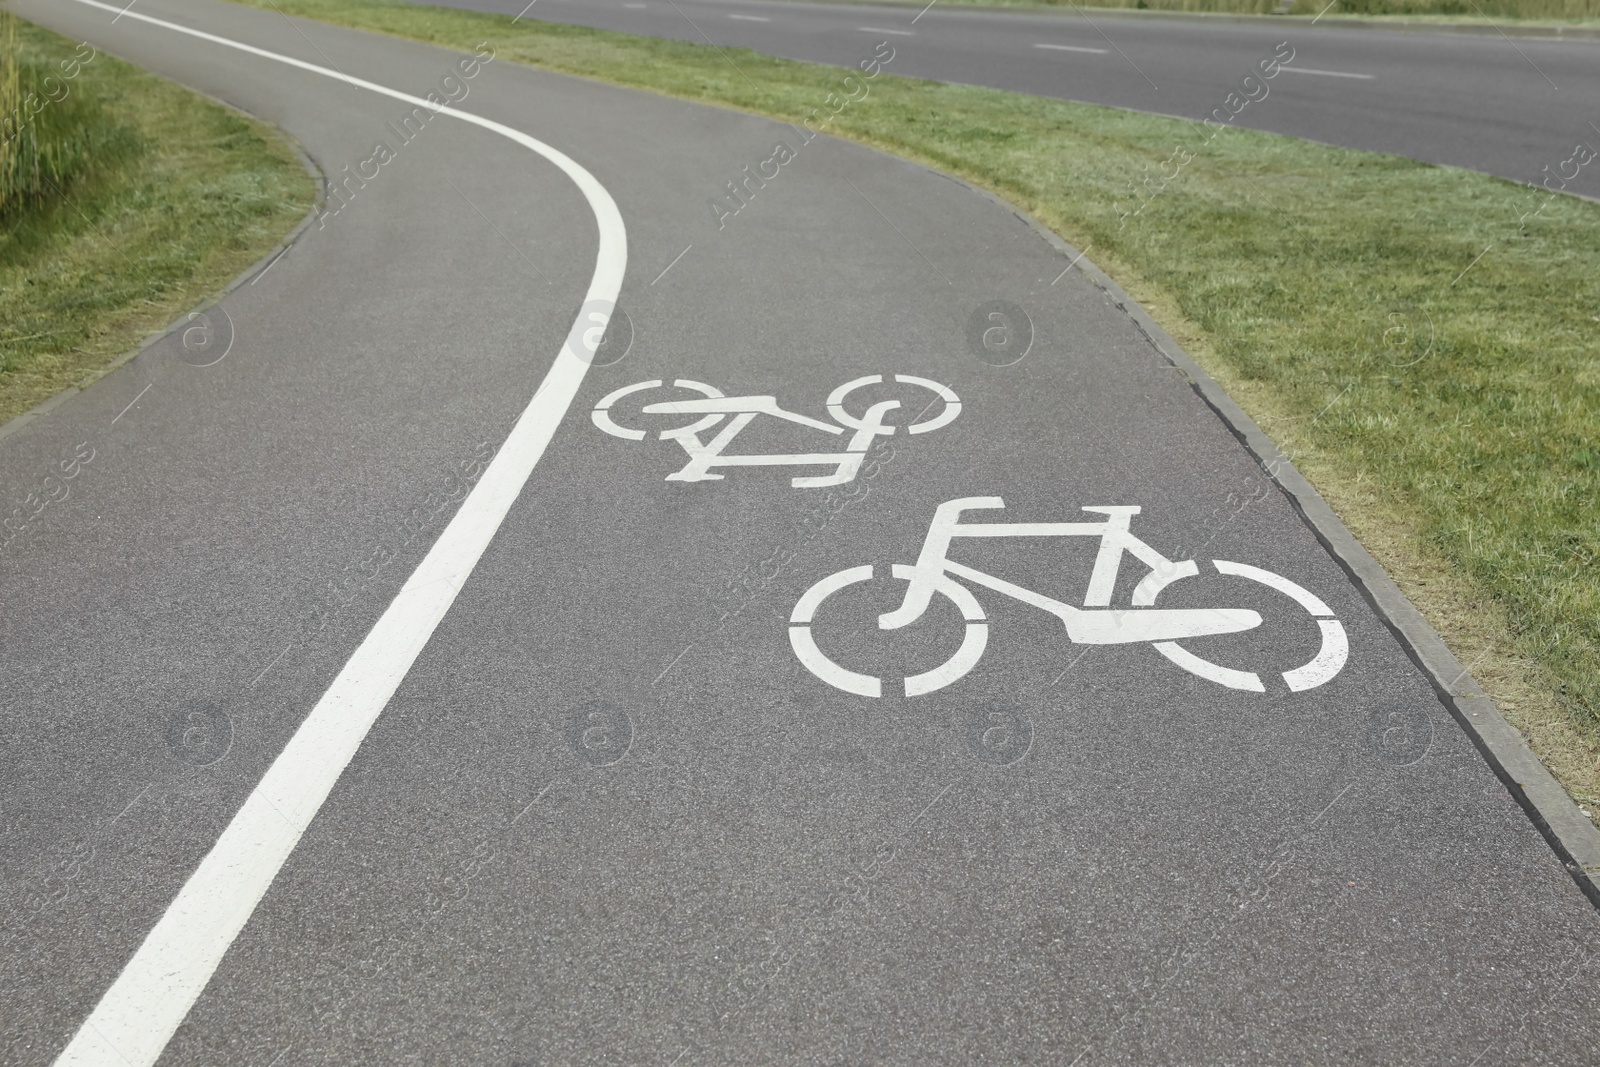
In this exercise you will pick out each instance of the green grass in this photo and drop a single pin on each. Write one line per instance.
(1452, 10)
(51, 139)
(1304, 277)
(123, 202)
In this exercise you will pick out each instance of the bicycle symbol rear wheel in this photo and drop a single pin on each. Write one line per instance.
(601, 415)
(973, 642)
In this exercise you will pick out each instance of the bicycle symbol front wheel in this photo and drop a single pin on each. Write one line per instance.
(973, 642)
(942, 395)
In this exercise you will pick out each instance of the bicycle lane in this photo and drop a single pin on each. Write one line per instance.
(620, 822)
(610, 817)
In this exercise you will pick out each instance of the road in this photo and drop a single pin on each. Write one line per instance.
(622, 797)
(1506, 106)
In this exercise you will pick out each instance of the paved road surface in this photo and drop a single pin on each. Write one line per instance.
(609, 816)
(1510, 107)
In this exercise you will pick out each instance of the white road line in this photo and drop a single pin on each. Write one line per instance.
(749, 18)
(1073, 48)
(897, 33)
(1327, 73)
(136, 1017)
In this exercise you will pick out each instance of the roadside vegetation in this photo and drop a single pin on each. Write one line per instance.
(1423, 342)
(1451, 10)
(125, 200)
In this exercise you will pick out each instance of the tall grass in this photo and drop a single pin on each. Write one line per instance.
(10, 100)
(124, 201)
(52, 136)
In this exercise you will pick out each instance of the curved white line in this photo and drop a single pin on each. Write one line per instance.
(952, 403)
(601, 415)
(699, 424)
(836, 400)
(1301, 595)
(809, 601)
(1145, 593)
(1211, 672)
(962, 597)
(1329, 660)
(806, 650)
(973, 642)
(137, 1016)
(956, 667)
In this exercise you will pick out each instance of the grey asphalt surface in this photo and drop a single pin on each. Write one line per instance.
(1507, 106)
(742, 865)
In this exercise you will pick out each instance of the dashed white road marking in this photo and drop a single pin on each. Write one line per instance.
(897, 33)
(749, 18)
(137, 1016)
(1073, 48)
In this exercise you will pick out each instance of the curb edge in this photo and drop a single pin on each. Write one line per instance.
(1570, 834)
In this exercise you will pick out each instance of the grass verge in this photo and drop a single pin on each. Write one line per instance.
(1444, 398)
(134, 200)
(1553, 11)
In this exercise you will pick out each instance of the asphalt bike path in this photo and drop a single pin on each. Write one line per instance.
(1517, 107)
(635, 800)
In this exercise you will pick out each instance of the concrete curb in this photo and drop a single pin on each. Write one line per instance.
(1507, 27)
(45, 407)
(1574, 838)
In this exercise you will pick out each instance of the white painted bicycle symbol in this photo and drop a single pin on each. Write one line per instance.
(1096, 623)
(713, 407)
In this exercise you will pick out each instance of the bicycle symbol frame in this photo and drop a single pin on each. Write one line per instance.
(713, 407)
(1096, 623)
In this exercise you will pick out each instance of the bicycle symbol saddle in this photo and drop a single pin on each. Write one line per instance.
(1096, 623)
(713, 407)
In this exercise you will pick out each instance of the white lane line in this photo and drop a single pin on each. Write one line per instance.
(1073, 48)
(897, 33)
(1327, 73)
(136, 1017)
(749, 18)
